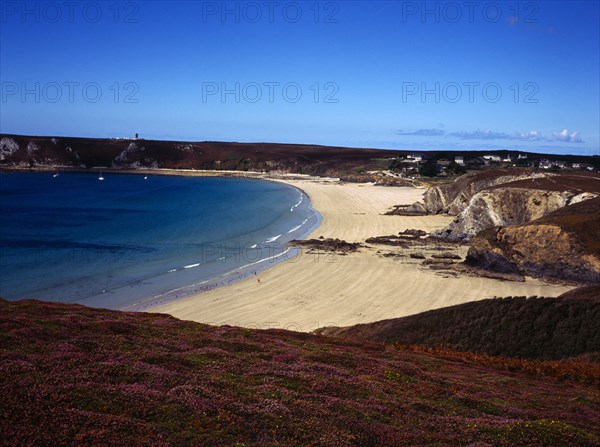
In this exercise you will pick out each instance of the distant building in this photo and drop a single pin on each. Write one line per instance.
(561, 164)
(443, 162)
(494, 158)
(522, 157)
(545, 164)
(415, 158)
(576, 166)
(459, 159)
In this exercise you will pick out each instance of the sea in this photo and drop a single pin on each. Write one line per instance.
(130, 241)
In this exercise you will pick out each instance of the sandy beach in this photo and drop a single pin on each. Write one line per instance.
(315, 290)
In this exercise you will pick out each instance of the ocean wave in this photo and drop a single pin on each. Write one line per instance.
(297, 227)
(191, 266)
(219, 278)
(273, 239)
(298, 203)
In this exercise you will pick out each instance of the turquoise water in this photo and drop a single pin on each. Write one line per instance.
(128, 242)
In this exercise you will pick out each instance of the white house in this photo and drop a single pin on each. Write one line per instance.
(459, 159)
(415, 158)
(495, 158)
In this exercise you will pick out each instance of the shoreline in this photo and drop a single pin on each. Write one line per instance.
(228, 278)
(325, 289)
(267, 176)
(309, 290)
(262, 255)
(238, 274)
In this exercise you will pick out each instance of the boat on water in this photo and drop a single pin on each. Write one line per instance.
(101, 178)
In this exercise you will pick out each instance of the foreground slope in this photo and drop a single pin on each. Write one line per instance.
(541, 328)
(71, 375)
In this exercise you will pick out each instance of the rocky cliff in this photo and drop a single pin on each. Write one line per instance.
(502, 197)
(507, 206)
(564, 244)
(453, 198)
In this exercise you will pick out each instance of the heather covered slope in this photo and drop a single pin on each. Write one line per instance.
(534, 328)
(71, 375)
(23, 151)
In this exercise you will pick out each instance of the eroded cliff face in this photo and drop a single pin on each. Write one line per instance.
(8, 146)
(502, 197)
(507, 206)
(564, 244)
(455, 197)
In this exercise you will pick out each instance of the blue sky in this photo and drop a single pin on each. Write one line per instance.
(405, 75)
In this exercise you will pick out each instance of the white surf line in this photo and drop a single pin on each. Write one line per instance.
(180, 288)
(299, 202)
(191, 266)
(295, 228)
(260, 260)
(224, 275)
(273, 239)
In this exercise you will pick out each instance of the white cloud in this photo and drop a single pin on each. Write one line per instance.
(564, 135)
(532, 135)
(424, 132)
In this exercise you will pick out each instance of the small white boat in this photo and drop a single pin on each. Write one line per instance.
(56, 175)
(100, 178)
(145, 177)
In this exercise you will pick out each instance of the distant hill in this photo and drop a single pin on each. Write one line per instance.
(129, 153)
(533, 328)
(74, 376)
(139, 153)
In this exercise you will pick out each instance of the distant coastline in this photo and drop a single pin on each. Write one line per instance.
(386, 166)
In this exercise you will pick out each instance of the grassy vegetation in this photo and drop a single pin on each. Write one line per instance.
(581, 220)
(71, 375)
(532, 328)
